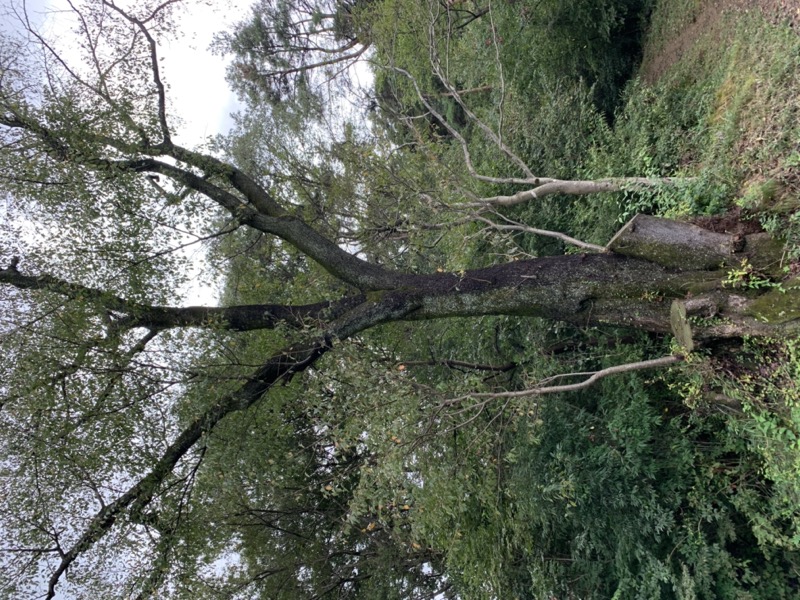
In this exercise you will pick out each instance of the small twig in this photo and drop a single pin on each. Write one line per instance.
(453, 364)
(462, 142)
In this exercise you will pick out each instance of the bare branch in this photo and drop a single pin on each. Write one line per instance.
(458, 364)
(488, 131)
(549, 187)
(593, 378)
(543, 186)
(514, 226)
(463, 143)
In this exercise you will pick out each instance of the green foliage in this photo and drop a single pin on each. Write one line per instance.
(702, 195)
(596, 42)
(284, 48)
(768, 392)
(745, 277)
(621, 491)
(786, 227)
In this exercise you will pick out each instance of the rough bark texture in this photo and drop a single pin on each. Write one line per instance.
(687, 247)
(650, 263)
(651, 266)
(136, 314)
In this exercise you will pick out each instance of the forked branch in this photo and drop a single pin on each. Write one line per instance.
(153, 48)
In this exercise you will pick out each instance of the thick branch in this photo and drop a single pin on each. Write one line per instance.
(685, 246)
(256, 208)
(239, 318)
(265, 215)
(280, 367)
(549, 187)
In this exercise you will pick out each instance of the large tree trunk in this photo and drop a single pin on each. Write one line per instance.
(650, 264)
(684, 246)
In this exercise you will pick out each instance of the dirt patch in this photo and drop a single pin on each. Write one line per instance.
(776, 11)
(731, 222)
(710, 21)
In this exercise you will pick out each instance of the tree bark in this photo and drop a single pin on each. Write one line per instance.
(648, 265)
(688, 247)
(135, 314)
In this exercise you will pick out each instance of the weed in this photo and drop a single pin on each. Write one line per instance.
(759, 195)
(707, 194)
(745, 277)
(786, 228)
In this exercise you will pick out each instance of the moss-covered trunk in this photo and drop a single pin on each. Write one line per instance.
(649, 265)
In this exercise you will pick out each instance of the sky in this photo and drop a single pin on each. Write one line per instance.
(197, 90)
(198, 93)
(201, 96)
(195, 75)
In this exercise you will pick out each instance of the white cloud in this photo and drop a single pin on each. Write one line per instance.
(198, 90)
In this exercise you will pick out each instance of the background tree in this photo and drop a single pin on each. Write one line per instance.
(287, 47)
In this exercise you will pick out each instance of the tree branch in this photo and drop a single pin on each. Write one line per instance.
(239, 318)
(279, 367)
(514, 226)
(262, 213)
(463, 142)
(488, 131)
(548, 187)
(161, 91)
(458, 364)
(593, 378)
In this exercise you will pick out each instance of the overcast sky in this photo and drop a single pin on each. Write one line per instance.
(197, 91)
(201, 96)
(196, 77)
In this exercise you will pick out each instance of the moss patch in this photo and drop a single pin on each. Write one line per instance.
(779, 305)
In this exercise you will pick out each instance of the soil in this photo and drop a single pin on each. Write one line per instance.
(731, 222)
(709, 20)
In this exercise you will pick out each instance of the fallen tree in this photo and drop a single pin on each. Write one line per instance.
(79, 154)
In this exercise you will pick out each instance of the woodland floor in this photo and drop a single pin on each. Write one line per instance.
(709, 19)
